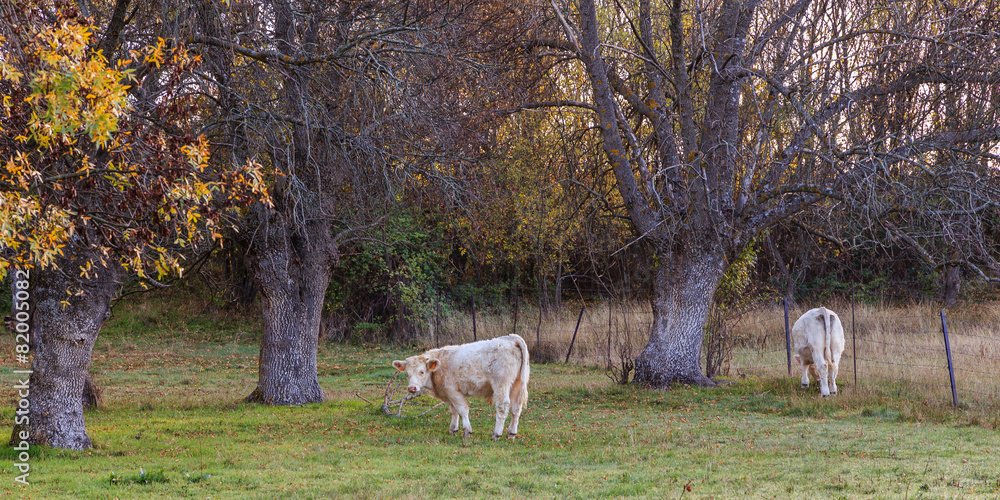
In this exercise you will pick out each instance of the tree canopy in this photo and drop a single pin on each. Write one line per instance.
(723, 119)
(106, 154)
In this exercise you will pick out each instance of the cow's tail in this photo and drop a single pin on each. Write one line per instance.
(828, 334)
(525, 370)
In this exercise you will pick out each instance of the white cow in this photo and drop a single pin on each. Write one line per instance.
(495, 369)
(818, 337)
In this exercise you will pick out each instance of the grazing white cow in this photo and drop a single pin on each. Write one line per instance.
(818, 337)
(495, 369)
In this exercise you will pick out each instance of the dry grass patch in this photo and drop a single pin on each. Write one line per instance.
(895, 350)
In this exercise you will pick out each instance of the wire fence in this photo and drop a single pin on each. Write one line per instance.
(908, 356)
(917, 369)
(891, 354)
(895, 351)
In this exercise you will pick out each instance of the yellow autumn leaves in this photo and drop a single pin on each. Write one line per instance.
(66, 112)
(73, 91)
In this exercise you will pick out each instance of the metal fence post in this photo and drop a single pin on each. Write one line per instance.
(573, 340)
(788, 338)
(854, 338)
(951, 368)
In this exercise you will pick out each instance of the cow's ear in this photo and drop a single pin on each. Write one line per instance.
(400, 365)
(432, 364)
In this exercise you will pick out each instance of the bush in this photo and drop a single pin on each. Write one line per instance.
(384, 290)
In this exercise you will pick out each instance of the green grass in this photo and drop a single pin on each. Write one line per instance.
(173, 426)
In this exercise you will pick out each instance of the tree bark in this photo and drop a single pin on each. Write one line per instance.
(683, 291)
(292, 270)
(785, 273)
(952, 285)
(65, 327)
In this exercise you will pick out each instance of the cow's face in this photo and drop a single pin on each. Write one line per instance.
(418, 371)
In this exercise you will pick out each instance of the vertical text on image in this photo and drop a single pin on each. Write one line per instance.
(22, 414)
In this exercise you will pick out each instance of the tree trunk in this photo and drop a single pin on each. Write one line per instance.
(683, 291)
(65, 327)
(785, 273)
(292, 271)
(952, 285)
(557, 296)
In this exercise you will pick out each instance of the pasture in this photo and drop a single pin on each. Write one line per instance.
(172, 425)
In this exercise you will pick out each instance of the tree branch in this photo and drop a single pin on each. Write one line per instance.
(559, 103)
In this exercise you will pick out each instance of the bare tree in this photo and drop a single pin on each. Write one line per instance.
(302, 86)
(722, 118)
(343, 101)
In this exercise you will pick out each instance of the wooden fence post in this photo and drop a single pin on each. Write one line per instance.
(788, 338)
(951, 368)
(609, 330)
(573, 340)
(474, 317)
(515, 308)
(854, 338)
(538, 329)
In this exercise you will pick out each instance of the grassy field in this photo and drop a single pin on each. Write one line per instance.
(172, 425)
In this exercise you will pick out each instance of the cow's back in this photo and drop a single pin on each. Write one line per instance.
(810, 336)
(837, 339)
(473, 368)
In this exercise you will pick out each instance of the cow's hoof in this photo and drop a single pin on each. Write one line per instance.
(452, 431)
(495, 437)
(825, 395)
(466, 434)
(511, 435)
(804, 386)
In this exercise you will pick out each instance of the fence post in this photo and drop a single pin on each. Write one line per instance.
(474, 317)
(437, 321)
(573, 340)
(854, 338)
(788, 338)
(609, 330)
(515, 308)
(951, 369)
(538, 328)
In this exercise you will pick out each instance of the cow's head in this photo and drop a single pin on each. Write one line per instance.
(418, 371)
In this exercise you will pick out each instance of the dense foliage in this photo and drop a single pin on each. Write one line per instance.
(85, 158)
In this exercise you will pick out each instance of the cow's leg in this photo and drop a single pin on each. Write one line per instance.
(462, 407)
(821, 374)
(515, 417)
(502, 402)
(805, 371)
(517, 402)
(834, 368)
(453, 428)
